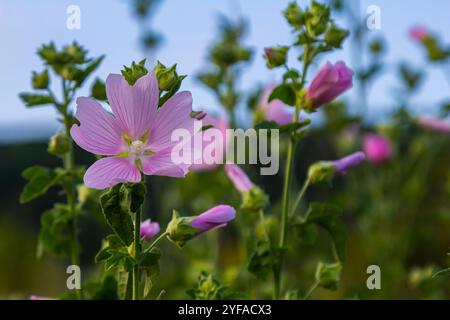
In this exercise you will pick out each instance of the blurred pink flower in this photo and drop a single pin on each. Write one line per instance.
(345, 163)
(329, 83)
(377, 148)
(435, 124)
(418, 33)
(275, 110)
(220, 123)
(239, 178)
(35, 297)
(214, 218)
(149, 229)
(137, 137)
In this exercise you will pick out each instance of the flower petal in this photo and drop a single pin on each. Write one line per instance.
(174, 114)
(161, 164)
(98, 131)
(135, 107)
(107, 172)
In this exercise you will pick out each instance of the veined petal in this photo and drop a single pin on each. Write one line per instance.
(161, 164)
(174, 114)
(135, 107)
(98, 131)
(107, 172)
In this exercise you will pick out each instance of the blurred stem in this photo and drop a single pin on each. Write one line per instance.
(155, 242)
(69, 165)
(311, 290)
(137, 251)
(277, 269)
(300, 196)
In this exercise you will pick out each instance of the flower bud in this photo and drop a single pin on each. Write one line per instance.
(328, 84)
(418, 33)
(335, 36)
(59, 144)
(167, 77)
(294, 15)
(322, 171)
(275, 56)
(377, 148)
(149, 229)
(40, 80)
(254, 199)
(434, 124)
(239, 178)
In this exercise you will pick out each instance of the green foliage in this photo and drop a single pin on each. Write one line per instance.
(285, 93)
(40, 80)
(263, 259)
(32, 99)
(209, 288)
(115, 253)
(276, 56)
(325, 216)
(132, 73)
(98, 90)
(328, 275)
(40, 179)
(118, 203)
(54, 235)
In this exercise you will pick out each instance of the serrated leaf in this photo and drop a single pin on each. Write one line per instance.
(54, 235)
(263, 259)
(117, 214)
(40, 179)
(285, 93)
(328, 275)
(326, 216)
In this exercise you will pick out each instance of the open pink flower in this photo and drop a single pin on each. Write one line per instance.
(149, 229)
(418, 33)
(137, 137)
(214, 218)
(377, 148)
(221, 124)
(275, 110)
(434, 124)
(329, 83)
(239, 178)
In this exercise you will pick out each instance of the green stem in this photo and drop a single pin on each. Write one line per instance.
(137, 252)
(300, 196)
(69, 165)
(155, 242)
(277, 269)
(311, 290)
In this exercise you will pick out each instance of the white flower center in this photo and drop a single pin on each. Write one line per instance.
(137, 148)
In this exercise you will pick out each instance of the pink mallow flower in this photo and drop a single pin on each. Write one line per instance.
(149, 229)
(434, 124)
(377, 148)
(239, 178)
(342, 165)
(221, 124)
(214, 218)
(275, 110)
(137, 137)
(329, 83)
(418, 33)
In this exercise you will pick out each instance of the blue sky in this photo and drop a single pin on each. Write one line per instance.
(107, 26)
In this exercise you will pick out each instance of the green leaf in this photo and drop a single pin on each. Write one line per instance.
(263, 259)
(328, 275)
(40, 179)
(98, 90)
(149, 261)
(32, 99)
(326, 216)
(208, 288)
(116, 210)
(133, 195)
(285, 93)
(90, 67)
(54, 235)
(125, 284)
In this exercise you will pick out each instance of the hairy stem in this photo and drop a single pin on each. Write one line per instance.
(137, 252)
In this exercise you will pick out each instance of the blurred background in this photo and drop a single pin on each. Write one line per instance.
(397, 214)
